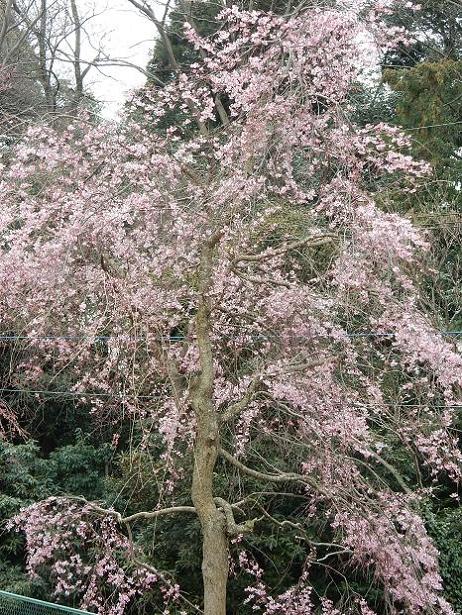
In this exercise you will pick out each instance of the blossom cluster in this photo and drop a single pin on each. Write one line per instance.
(86, 554)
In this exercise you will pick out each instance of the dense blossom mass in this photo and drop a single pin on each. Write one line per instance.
(52, 532)
(234, 260)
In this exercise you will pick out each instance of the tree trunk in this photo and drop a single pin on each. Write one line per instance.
(215, 567)
(215, 540)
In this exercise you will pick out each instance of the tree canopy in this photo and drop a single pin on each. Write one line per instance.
(219, 328)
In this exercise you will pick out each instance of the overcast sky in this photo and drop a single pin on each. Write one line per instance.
(128, 35)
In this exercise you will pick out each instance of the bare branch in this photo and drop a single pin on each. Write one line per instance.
(253, 279)
(78, 75)
(282, 477)
(6, 20)
(153, 514)
(272, 253)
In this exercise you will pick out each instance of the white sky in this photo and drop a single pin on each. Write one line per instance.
(127, 35)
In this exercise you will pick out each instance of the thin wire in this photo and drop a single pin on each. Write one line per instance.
(179, 338)
(124, 396)
(432, 126)
(76, 394)
(437, 214)
(10, 338)
(96, 338)
(374, 334)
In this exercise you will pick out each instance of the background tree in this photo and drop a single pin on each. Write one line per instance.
(40, 40)
(428, 102)
(427, 78)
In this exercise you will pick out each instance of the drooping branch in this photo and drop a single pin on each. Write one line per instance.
(149, 514)
(238, 407)
(282, 524)
(228, 510)
(393, 471)
(316, 241)
(298, 526)
(282, 477)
